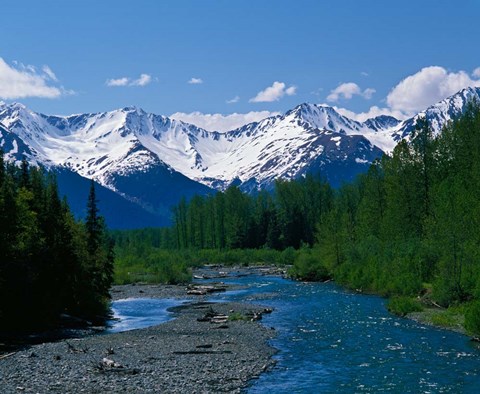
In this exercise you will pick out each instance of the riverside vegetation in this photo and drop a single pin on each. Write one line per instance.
(51, 265)
(407, 229)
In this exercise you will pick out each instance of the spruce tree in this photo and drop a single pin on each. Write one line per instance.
(93, 223)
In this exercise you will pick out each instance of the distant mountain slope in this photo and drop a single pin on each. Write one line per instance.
(137, 189)
(151, 160)
(119, 213)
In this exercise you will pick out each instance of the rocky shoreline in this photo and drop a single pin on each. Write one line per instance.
(207, 348)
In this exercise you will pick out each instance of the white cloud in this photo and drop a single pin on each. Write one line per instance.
(49, 73)
(371, 113)
(364, 74)
(220, 122)
(20, 81)
(117, 82)
(413, 94)
(273, 93)
(368, 93)
(348, 90)
(290, 91)
(142, 80)
(236, 99)
(195, 81)
(426, 87)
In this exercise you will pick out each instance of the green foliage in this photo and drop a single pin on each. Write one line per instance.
(47, 266)
(235, 316)
(403, 305)
(136, 261)
(308, 267)
(472, 318)
(446, 319)
(156, 266)
(235, 220)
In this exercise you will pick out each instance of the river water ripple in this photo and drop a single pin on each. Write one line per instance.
(331, 340)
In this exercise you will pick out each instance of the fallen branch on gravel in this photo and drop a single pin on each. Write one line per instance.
(74, 349)
(7, 355)
(107, 365)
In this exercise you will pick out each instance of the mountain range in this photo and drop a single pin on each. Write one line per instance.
(144, 163)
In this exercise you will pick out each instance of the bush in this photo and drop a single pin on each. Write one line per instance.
(401, 306)
(235, 316)
(472, 318)
(308, 267)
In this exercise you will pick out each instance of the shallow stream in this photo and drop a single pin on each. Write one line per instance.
(331, 340)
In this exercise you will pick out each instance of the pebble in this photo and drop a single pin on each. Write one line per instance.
(182, 355)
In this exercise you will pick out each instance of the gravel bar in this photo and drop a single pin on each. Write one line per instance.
(184, 355)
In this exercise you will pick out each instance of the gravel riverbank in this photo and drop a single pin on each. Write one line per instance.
(190, 354)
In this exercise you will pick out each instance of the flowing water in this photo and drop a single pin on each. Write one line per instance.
(133, 313)
(331, 340)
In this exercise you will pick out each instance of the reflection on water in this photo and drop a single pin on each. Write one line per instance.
(133, 313)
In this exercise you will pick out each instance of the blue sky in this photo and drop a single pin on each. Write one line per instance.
(204, 60)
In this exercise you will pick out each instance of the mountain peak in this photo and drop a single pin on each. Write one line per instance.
(382, 122)
(13, 107)
(133, 109)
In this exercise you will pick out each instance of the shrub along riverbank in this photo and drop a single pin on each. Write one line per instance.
(155, 265)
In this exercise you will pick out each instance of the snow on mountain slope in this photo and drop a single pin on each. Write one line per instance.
(95, 145)
(124, 143)
(12, 145)
(281, 146)
(440, 113)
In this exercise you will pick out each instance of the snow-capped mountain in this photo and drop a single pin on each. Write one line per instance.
(308, 138)
(152, 160)
(440, 113)
(107, 147)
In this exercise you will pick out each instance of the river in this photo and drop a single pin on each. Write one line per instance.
(331, 340)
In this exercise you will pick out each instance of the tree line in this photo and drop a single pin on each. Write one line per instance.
(50, 263)
(236, 220)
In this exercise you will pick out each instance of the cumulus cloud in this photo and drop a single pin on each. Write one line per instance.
(274, 93)
(22, 81)
(142, 80)
(195, 81)
(118, 82)
(220, 122)
(368, 93)
(413, 94)
(236, 99)
(348, 90)
(426, 87)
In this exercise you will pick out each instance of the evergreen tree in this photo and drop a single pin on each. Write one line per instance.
(93, 222)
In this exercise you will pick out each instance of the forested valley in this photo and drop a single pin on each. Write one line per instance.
(407, 229)
(51, 265)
